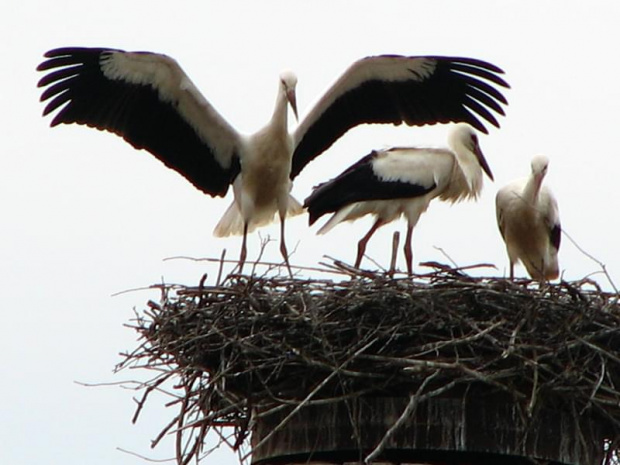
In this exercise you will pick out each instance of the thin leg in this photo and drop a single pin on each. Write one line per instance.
(283, 249)
(361, 245)
(512, 271)
(408, 250)
(244, 249)
(395, 242)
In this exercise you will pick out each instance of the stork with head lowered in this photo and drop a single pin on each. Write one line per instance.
(401, 181)
(529, 222)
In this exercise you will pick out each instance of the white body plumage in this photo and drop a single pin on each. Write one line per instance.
(529, 222)
(402, 181)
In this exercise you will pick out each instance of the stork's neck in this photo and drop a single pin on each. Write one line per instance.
(279, 119)
(472, 172)
(532, 188)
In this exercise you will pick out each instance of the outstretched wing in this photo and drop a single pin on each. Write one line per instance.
(147, 99)
(398, 89)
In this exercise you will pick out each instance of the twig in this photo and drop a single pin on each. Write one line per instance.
(220, 269)
(594, 259)
(408, 412)
(142, 457)
(443, 252)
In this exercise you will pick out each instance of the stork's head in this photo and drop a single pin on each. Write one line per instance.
(288, 82)
(464, 136)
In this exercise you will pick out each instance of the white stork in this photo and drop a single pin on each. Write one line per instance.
(529, 221)
(401, 181)
(148, 100)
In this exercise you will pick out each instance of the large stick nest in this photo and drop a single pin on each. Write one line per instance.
(257, 345)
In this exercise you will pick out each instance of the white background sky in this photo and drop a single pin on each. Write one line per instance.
(84, 216)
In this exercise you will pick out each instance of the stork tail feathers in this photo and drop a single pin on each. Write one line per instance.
(231, 223)
(338, 217)
(294, 207)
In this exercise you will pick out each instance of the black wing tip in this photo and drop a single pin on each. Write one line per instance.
(63, 51)
(57, 58)
(477, 62)
(70, 51)
(314, 211)
(482, 128)
(70, 56)
(54, 55)
(503, 100)
(475, 66)
(47, 110)
(46, 80)
(308, 202)
(312, 204)
(312, 217)
(47, 64)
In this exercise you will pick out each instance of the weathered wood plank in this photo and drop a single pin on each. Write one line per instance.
(440, 427)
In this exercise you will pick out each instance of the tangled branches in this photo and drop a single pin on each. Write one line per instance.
(256, 347)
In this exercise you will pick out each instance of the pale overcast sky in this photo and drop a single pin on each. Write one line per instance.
(84, 216)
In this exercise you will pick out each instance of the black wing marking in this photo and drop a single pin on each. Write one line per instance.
(135, 110)
(358, 183)
(397, 89)
(555, 236)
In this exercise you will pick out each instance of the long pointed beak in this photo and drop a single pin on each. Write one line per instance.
(292, 99)
(483, 162)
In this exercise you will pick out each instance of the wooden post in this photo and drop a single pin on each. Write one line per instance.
(472, 428)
